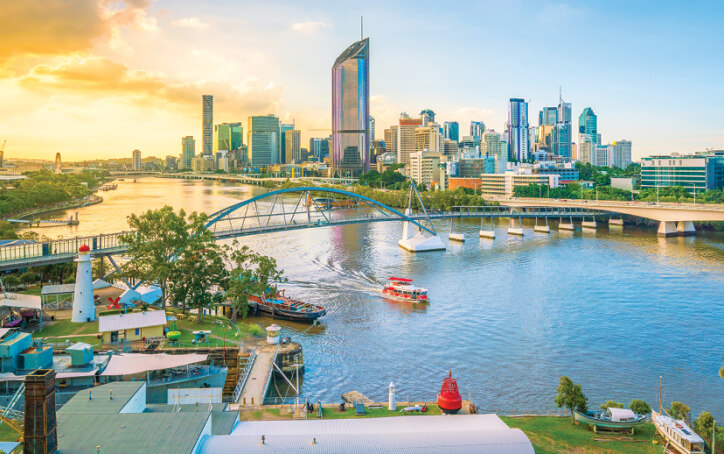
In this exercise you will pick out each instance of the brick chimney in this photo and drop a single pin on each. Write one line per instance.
(41, 436)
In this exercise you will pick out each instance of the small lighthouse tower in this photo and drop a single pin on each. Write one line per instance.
(391, 404)
(84, 309)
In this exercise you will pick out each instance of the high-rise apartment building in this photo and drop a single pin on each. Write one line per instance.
(207, 123)
(477, 128)
(451, 130)
(263, 142)
(188, 152)
(428, 138)
(406, 137)
(293, 144)
(518, 129)
(136, 157)
(351, 110)
(621, 153)
(391, 140)
(492, 146)
(228, 136)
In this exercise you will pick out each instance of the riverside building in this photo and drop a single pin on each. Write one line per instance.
(695, 172)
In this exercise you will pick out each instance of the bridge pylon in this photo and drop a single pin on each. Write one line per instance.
(414, 240)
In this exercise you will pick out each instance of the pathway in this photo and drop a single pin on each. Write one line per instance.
(254, 389)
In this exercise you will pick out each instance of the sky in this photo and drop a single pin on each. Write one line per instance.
(98, 78)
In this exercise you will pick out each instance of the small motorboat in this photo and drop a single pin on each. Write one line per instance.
(611, 418)
(678, 434)
(279, 306)
(402, 289)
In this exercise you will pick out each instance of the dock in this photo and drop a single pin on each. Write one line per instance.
(257, 381)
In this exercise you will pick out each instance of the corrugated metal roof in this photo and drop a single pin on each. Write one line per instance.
(132, 320)
(101, 402)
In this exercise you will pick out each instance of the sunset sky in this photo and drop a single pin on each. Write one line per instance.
(98, 78)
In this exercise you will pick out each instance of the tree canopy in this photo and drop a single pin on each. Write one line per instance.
(570, 396)
(611, 404)
(678, 410)
(639, 407)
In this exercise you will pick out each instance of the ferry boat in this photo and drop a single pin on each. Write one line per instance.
(402, 289)
(279, 306)
(678, 434)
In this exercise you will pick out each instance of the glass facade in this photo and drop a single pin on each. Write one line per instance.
(350, 111)
(207, 121)
(518, 141)
(694, 173)
(229, 136)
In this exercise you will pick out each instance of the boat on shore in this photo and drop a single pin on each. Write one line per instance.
(402, 289)
(279, 306)
(611, 418)
(677, 434)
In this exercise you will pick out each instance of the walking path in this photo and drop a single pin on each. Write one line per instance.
(254, 389)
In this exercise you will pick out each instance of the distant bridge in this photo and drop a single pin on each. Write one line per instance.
(233, 178)
(283, 210)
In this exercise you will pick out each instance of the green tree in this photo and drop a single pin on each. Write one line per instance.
(611, 404)
(7, 231)
(721, 372)
(570, 396)
(704, 425)
(639, 407)
(679, 410)
(28, 278)
(11, 281)
(155, 238)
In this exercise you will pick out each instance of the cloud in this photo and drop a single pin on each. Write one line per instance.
(59, 27)
(308, 27)
(101, 77)
(191, 22)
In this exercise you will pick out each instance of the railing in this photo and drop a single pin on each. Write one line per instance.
(244, 376)
(269, 374)
(618, 203)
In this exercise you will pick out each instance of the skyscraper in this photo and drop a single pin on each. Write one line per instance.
(548, 116)
(563, 130)
(477, 128)
(293, 144)
(229, 136)
(263, 143)
(136, 159)
(319, 148)
(188, 152)
(283, 128)
(587, 122)
(451, 130)
(518, 129)
(621, 153)
(351, 110)
(406, 137)
(428, 138)
(428, 116)
(391, 140)
(207, 122)
(372, 129)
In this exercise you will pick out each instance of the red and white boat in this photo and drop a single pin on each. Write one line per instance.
(402, 289)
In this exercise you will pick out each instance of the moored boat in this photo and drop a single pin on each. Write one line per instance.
(279, 306)
(611, 418)
(402, 289)
(678, 434)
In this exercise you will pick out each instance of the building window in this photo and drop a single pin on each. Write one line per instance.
(138, 331)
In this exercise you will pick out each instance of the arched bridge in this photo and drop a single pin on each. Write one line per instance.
(281, 210)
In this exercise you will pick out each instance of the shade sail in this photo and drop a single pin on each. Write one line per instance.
(136, 363)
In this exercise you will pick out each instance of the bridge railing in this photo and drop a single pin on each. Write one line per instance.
(66, 246)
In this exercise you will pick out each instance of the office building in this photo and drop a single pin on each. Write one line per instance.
(228, 136)
(451, 130)
(207, 122)
(492, 146)
(621, 153)
(562, 133)
(427, 116)
(588, 124)
(283, 128)
(351, 111)
(696, 172)
(548, 116)
(428, 138)
(406, 137)
(477, 128)
(585, 150)
(425, 168)
(391, 140)
(136, 160)
(188, 151)
(566, 172)
(293, 144)
(518, 129)
(319, 148)
(504, 184)
(263, 141)
(372, 130)
(450, 147)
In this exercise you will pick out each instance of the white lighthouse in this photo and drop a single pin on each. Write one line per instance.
(391, 404)
(84, 309)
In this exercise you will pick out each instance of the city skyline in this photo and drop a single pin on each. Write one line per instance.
(133, 76)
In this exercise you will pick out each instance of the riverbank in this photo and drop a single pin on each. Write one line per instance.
(79, 203)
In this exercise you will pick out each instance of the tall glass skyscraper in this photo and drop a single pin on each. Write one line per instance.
(563, 131)
(188, 152)
(477, 128)
(588, 125)
(351, 110)
(451, 130)
(518, 142)
(207, 124)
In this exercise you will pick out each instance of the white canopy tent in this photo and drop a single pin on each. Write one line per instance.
(136, 363)
(21, 301)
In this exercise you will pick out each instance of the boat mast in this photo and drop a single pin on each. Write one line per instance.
(661, 394)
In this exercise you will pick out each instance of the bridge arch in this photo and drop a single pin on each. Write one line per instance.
(312, 206)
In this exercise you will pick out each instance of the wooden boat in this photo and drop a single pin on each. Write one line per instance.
(677, 434)
(612, 418)
(279, 306)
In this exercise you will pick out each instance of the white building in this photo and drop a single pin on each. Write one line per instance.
(504, 184)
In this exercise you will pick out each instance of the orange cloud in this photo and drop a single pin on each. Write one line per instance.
(58, 27)
(96, 75)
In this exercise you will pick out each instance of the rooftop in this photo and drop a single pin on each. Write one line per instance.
(131, 320)
(98, 400)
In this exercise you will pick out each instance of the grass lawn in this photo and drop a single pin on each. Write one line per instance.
(66, 328)
(553, 435)
(7, 433)
(233, 335)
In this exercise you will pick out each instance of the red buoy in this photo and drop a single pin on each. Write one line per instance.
(449, 399)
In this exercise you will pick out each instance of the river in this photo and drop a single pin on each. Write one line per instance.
(612, 310)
